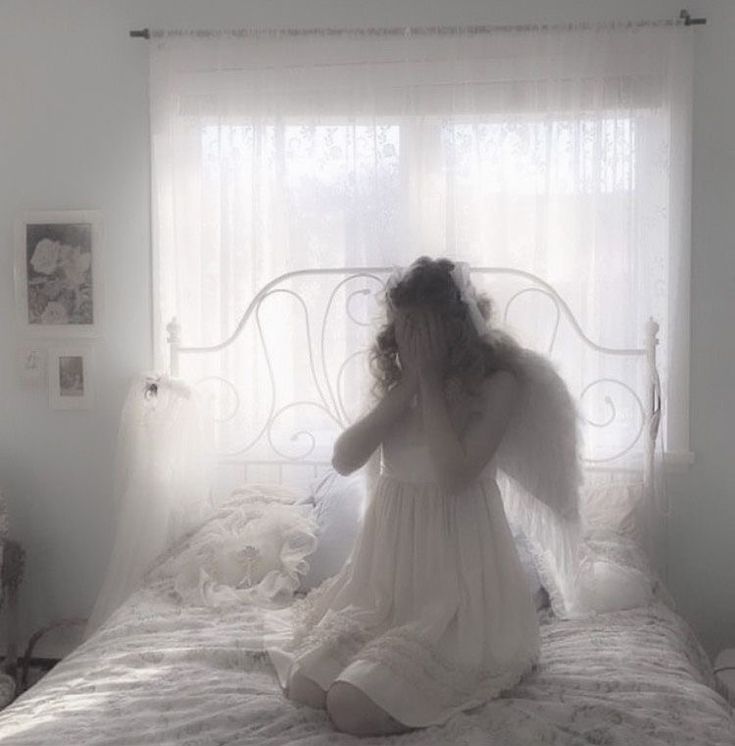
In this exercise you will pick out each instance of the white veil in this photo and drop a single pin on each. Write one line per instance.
(162, 484)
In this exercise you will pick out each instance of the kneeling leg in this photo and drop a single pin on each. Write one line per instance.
(306, 691)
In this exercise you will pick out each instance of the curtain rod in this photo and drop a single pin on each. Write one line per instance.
(684, 19)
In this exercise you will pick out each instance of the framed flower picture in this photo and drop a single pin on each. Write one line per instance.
(70, 378)
(58, 272)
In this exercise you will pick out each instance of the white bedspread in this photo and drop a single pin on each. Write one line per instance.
(163, 673)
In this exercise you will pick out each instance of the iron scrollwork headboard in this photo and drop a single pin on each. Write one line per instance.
(625, 396)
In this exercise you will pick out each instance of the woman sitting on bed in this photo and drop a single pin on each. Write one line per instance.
(432, 613)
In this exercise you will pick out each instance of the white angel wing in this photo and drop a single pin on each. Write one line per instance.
(539, 460)
(540, 449)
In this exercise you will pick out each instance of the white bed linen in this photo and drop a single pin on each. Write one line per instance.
(167, 673)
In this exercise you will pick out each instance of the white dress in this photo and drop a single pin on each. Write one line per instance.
(432, 613)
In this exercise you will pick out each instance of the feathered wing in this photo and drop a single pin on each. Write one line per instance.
(541, 477)
(540, 449)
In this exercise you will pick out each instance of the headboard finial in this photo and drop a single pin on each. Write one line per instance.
(652, 329)
(174, 331)
(174, 340)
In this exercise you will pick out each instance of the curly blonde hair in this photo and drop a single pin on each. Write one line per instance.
(471, 357)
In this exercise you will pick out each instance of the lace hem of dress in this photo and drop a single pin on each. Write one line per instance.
(305, 610)
(406, 654)
(338, 635)
(415, 660)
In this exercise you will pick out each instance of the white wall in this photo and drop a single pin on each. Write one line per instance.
(74, 134)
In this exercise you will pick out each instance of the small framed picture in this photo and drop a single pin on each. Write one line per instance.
(70, 378)
(58, 272)
(32, 363)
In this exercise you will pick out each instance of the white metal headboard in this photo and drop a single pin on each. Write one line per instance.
(351, 283)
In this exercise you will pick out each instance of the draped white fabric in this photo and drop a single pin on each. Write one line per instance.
(162, 484)
(562, 152)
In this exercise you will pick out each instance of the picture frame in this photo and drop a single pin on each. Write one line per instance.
(58, 272)
(32, 358)
(70, 377)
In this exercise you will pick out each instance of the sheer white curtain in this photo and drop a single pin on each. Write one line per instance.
(563, 152)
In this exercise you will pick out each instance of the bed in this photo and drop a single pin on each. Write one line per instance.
(165, 670)
(166, 674)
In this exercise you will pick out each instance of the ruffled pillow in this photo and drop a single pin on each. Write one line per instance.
(253, 549)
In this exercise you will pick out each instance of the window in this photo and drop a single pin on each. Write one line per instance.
(564, 154)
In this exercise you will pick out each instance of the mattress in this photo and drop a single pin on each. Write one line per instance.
(164, 672)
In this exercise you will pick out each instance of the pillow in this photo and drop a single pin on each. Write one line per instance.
(253, 548)
(611, 506)
(609, 586)
(617, 574)
(338, 503)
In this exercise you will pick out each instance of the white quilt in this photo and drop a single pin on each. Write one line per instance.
(161, 672)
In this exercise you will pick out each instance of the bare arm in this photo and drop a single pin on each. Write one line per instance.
(459, 459)
(356, 444)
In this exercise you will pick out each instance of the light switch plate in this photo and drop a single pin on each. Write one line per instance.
(32, 364)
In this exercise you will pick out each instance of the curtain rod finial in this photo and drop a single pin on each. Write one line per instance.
(689, 21)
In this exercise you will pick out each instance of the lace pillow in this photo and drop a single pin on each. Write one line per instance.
(252, 549)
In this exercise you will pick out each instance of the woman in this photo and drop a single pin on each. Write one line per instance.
(431, 614)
